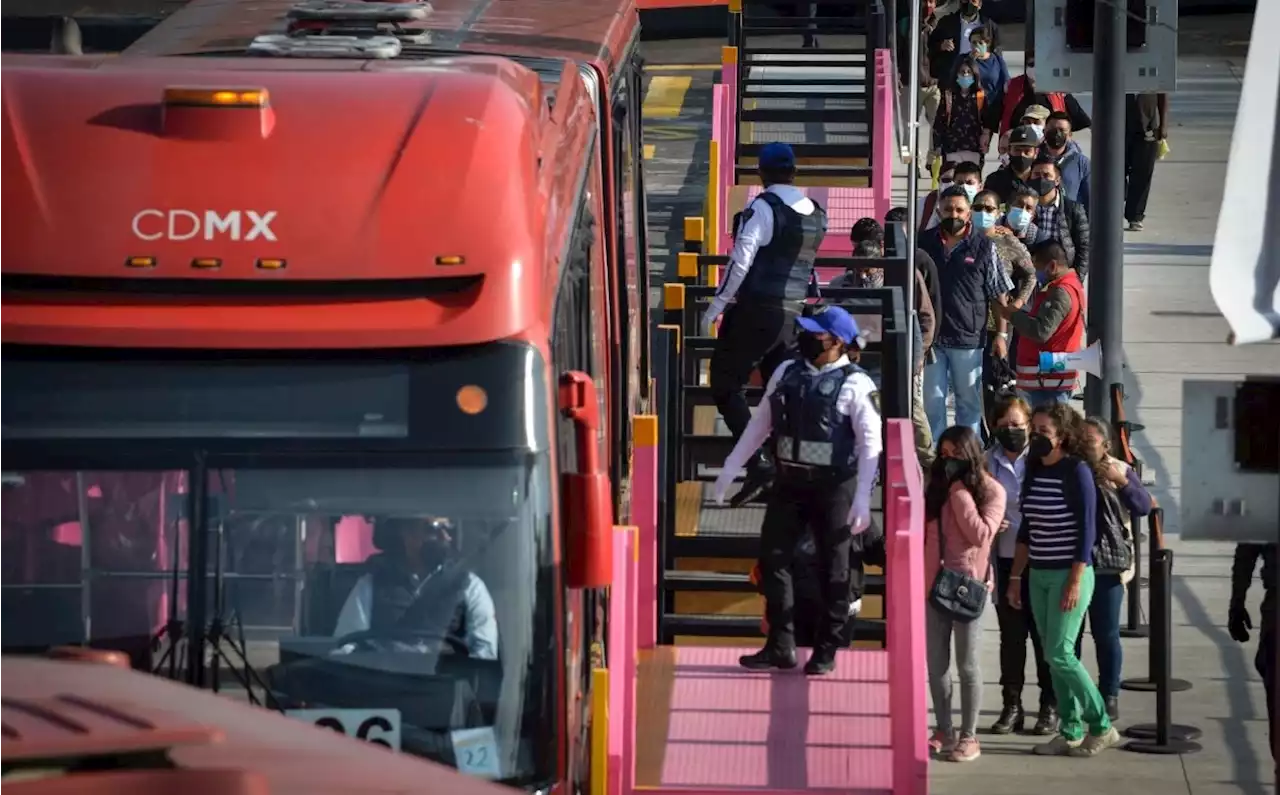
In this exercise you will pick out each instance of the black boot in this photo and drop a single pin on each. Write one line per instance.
(759, 477)
(1046, 721)
(771, 656)
(822, 661)
(1012, 717)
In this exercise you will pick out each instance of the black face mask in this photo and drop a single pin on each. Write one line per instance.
(811, 345)
(969, 10)
(1041, 446)
(1012, 439)
(952, 226)
(1043, 186)
(953, 469)
(1055, 138)
(1020, 162)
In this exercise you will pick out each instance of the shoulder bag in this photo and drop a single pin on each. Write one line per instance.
(955, 593)
(1112, 553)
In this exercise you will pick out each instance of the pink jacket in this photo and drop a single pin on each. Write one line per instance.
(970, 532)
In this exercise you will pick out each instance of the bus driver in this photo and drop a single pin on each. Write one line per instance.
(413, 566)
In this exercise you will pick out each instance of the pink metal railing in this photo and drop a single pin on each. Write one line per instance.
(905, 591)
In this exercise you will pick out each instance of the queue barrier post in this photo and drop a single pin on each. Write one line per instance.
(1151, 682)
(1164, 736)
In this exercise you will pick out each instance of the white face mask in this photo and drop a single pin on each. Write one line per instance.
(1030, 73)
(971, 191)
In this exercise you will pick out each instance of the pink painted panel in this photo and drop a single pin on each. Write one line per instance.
(618, 654)
(844, 207)
(352, 540)
(882, 135)
(630, 665)
(644, 512)
(905, 591)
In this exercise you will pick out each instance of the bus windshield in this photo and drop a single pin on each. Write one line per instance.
(408, 606)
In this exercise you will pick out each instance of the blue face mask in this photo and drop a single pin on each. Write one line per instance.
(1042, 278)
(1019, 219)
(984, 220)
(965, 81)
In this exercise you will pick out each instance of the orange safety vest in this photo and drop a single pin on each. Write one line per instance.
(1068, 338)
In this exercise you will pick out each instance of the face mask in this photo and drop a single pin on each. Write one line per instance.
(1020, 162)
(971, 191)
(1055, 138)
(1013, 440)
(952, 226)
(1030, 73)
(811, 345)
(953, 469)
(965, 81)
(968, 9)
(1019, 219)
(980, 48)
(1040, 445)
(984, 220)
(1042, 278)
(1043, 186)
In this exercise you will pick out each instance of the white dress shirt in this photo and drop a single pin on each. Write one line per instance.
(854, 401)
(482, 622)
(756, 233)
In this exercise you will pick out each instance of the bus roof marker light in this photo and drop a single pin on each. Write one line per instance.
(451, 259)
(472, 399)
(271, 264)
(206, 263)
(140, 262)
(217, 97)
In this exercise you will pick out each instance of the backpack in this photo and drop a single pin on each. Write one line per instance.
(1112, 553)
(981, 96)
(1057, 102)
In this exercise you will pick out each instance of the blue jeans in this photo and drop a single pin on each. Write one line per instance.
(1041, 397)
(1104, 625)
(961, 369)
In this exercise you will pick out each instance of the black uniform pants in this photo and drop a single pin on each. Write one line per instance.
(1140, 157)
(1265, 662)
(824, 507)
(752, 336)
(1016, 625)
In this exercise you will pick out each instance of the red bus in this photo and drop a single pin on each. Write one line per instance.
(79, 728)
(276, 325)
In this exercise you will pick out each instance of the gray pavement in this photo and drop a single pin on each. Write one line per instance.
(1173, 332)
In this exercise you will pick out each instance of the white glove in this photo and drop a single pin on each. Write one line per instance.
(722, 486)
(710, 317)
(860, 514)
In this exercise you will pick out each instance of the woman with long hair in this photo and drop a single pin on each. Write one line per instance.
(1121, 496)
(964, 506)
(1007, 461)
(1055, 549)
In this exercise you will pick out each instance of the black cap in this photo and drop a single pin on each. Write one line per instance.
(1023, 136)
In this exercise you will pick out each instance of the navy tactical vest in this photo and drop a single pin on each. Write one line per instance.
(782, 269)
(401, 602)
(808, 431)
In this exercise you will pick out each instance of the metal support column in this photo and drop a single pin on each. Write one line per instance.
(1106, 212)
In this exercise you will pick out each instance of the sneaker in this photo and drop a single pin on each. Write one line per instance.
(769, 657)
(1134, 226)
(1058, 746)
(966, 750)
(942, 742)
(855, 607)
(1095, 744)
(821, 661)
(1113, 707)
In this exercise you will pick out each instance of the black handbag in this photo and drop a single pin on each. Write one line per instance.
(955, 593)
(1112, 553)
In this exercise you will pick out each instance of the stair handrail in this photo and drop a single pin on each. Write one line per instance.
(905, 590)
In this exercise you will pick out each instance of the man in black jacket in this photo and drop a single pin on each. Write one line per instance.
(1058, 217)
(1023, 149)
(950, 39)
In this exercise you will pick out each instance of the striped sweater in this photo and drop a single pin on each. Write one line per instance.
(1059, 507)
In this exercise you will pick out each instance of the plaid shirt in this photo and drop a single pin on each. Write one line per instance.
(1047, 219)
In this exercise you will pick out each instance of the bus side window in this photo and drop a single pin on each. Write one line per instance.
(638, 213)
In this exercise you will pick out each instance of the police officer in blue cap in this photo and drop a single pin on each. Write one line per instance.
(776, 241)
(821, 410)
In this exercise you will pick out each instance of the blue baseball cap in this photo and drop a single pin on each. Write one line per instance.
(777, 155)
(834, 321)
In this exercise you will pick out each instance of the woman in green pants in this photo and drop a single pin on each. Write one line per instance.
(1055, 549)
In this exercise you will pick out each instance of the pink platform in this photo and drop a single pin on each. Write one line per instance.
(690, 721)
